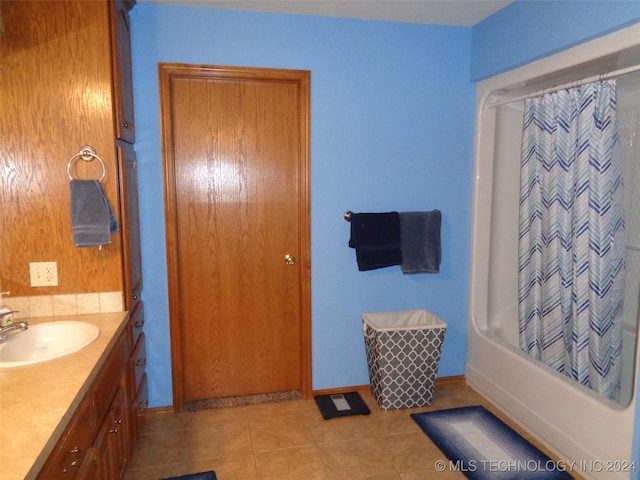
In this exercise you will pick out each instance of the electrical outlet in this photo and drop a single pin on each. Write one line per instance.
(43, 274)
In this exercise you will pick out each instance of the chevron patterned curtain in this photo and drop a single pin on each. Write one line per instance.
(571, 250)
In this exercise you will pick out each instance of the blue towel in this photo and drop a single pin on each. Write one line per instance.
(92, 217)
(420, 239)
(376, 238)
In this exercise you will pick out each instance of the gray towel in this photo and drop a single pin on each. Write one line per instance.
(420, 240)
(92, 217)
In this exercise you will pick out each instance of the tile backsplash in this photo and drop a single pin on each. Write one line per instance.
(70, 304)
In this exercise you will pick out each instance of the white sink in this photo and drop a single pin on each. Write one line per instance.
(46, 341)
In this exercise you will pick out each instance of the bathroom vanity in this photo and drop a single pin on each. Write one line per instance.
(77, 416)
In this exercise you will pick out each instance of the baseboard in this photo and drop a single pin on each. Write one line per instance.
(160, 410)
(452, 380)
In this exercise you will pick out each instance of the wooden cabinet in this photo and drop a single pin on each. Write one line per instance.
(137, 371)
(73, 446)
(90, 469)
(121, 59)
(99, 441)
(130, 224)
(66, 82)
(113, 438)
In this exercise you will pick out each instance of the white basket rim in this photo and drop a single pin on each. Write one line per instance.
(403, 320)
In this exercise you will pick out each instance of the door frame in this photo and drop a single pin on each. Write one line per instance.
(166, 73)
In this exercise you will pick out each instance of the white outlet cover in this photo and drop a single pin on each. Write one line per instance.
(43, 274)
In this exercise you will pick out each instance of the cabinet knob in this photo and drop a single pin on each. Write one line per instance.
(141, 362)
(139, 323)
(134, 297)
(125, 124)
(69, 466)
(75, 450)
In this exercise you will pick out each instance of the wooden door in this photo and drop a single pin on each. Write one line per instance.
(236, 166)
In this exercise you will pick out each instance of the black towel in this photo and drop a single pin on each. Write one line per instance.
(420, 235)
(92, 217)
(376, 238)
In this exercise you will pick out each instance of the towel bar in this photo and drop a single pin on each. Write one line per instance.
(88, 154)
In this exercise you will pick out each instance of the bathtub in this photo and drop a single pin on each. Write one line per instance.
(591, 435)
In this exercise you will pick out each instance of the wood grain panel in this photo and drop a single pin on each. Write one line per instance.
(237, 181)
(55, 96)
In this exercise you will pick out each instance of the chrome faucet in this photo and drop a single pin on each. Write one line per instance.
(13, 327)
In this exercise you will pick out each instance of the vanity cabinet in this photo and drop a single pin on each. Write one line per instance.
(98, 441)
(73, 446)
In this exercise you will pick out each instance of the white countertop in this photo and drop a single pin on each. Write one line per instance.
(37, 401)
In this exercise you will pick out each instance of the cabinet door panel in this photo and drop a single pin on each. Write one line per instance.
(107, 385)
(123, 84)
(68, 455)
(139, 360)
(132, 258)
(91, 468)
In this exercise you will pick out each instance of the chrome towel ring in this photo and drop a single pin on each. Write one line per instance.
(88, 154)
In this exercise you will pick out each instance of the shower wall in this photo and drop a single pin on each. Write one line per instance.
(502, 317)
(571, 420)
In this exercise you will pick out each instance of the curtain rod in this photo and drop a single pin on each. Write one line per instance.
(564, 86)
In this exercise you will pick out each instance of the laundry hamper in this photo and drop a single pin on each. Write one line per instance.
(403, 355)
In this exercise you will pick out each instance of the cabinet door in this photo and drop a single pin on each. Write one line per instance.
(122, 76)
(130, 225)
(91, 468)
(139, 362)
(140, 405)
(72, 448)
(136, 324)
(113, 439)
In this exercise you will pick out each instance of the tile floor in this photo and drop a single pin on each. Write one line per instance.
(291, 440)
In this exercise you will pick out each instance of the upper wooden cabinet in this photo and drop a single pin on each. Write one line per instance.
(123, 80)
(65, 82)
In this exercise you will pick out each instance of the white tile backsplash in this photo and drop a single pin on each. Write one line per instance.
(69, 304)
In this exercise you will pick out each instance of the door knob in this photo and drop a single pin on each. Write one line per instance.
(289, 259)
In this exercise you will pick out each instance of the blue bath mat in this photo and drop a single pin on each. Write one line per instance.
(196, 476)
(483, 447)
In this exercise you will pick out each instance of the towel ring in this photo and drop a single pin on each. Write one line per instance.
(87, 154)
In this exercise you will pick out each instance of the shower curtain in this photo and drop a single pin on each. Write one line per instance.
(571, 247)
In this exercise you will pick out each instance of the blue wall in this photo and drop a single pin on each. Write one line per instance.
(392, 111)
(392, 128)
(528, 30)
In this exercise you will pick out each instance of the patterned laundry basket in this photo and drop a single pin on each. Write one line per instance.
(403, 354)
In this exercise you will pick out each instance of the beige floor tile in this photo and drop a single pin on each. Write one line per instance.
(411, 451)
(282, 409)
(394, 422)
(154, 449)
(239, 467)
(291, 440)
(156, 472)
(228, 439)
(433, 474)
(280, 432)
(355, 460)
(218, 417)
(340, 429)
(302, 463)
(167, 422)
